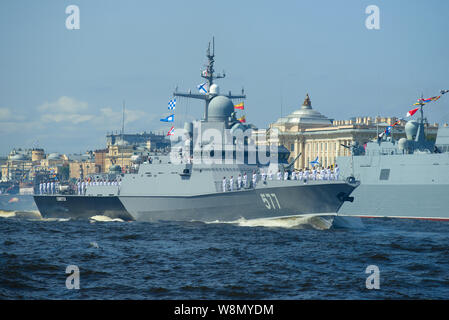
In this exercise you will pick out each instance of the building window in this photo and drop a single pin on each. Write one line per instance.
(292, 147)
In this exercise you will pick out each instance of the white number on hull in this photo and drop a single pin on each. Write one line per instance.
(267, 199)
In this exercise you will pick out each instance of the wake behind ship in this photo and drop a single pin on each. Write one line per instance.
(214, 171)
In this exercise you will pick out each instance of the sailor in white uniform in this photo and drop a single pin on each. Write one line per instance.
(264, 176)
(306, 175)
(41, 188)
(286, 175)
(300, 174)
(270, 175)
(279, 175)
(239, 182)
(254, 179)
(337, 172)
(48, 187)
(231, 183)
(314, 173)
(245, 180)
(224, 184)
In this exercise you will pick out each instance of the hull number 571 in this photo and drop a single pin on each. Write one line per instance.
(271, 201)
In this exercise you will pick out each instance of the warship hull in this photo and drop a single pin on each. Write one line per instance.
(400, 201)
(80, 207)
(404, 186)
(265, 202)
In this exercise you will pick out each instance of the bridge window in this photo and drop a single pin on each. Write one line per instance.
(384, 174)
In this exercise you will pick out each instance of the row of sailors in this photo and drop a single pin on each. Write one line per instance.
(53, 187)
(82, 185)
(48, 187)
(314, 174)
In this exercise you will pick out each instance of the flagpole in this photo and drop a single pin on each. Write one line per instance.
(123, 132)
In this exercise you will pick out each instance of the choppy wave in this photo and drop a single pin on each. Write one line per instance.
(286, 258)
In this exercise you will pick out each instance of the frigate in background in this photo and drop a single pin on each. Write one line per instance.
(405, 178)
(188, 184)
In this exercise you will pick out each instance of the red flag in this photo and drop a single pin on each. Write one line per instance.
(411, 112)
(171, 131)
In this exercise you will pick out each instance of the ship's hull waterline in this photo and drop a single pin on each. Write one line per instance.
(256, 203)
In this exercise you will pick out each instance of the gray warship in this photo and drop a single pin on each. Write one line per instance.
(404, 178)
(193, 182)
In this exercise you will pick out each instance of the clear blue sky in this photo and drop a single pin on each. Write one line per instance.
(63, 89)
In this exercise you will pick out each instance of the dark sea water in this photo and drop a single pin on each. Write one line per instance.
(193, 260)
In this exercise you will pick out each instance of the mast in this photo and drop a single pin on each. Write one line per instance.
(123, 119)
(210, 76)
(123, 132)
(420, 136)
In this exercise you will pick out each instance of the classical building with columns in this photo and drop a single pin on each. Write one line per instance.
(312, 134)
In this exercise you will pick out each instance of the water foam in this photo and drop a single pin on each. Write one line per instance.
(319, 222)
(7, 214)
(101, 218)
(35, 214)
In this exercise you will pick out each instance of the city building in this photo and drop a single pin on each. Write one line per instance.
(153, 140)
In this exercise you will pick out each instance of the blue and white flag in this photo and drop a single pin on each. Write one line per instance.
(315, 161)
(388, 130)
(170, 118)
(172, 104)
(202, 87)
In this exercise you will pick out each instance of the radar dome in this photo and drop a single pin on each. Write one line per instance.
(214, 89)
(411, 128)
(402, 144)
(220, 108)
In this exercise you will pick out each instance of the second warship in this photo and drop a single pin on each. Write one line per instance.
(404, 178)
(192, 182)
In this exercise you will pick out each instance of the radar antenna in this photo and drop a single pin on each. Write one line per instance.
(210, 76)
